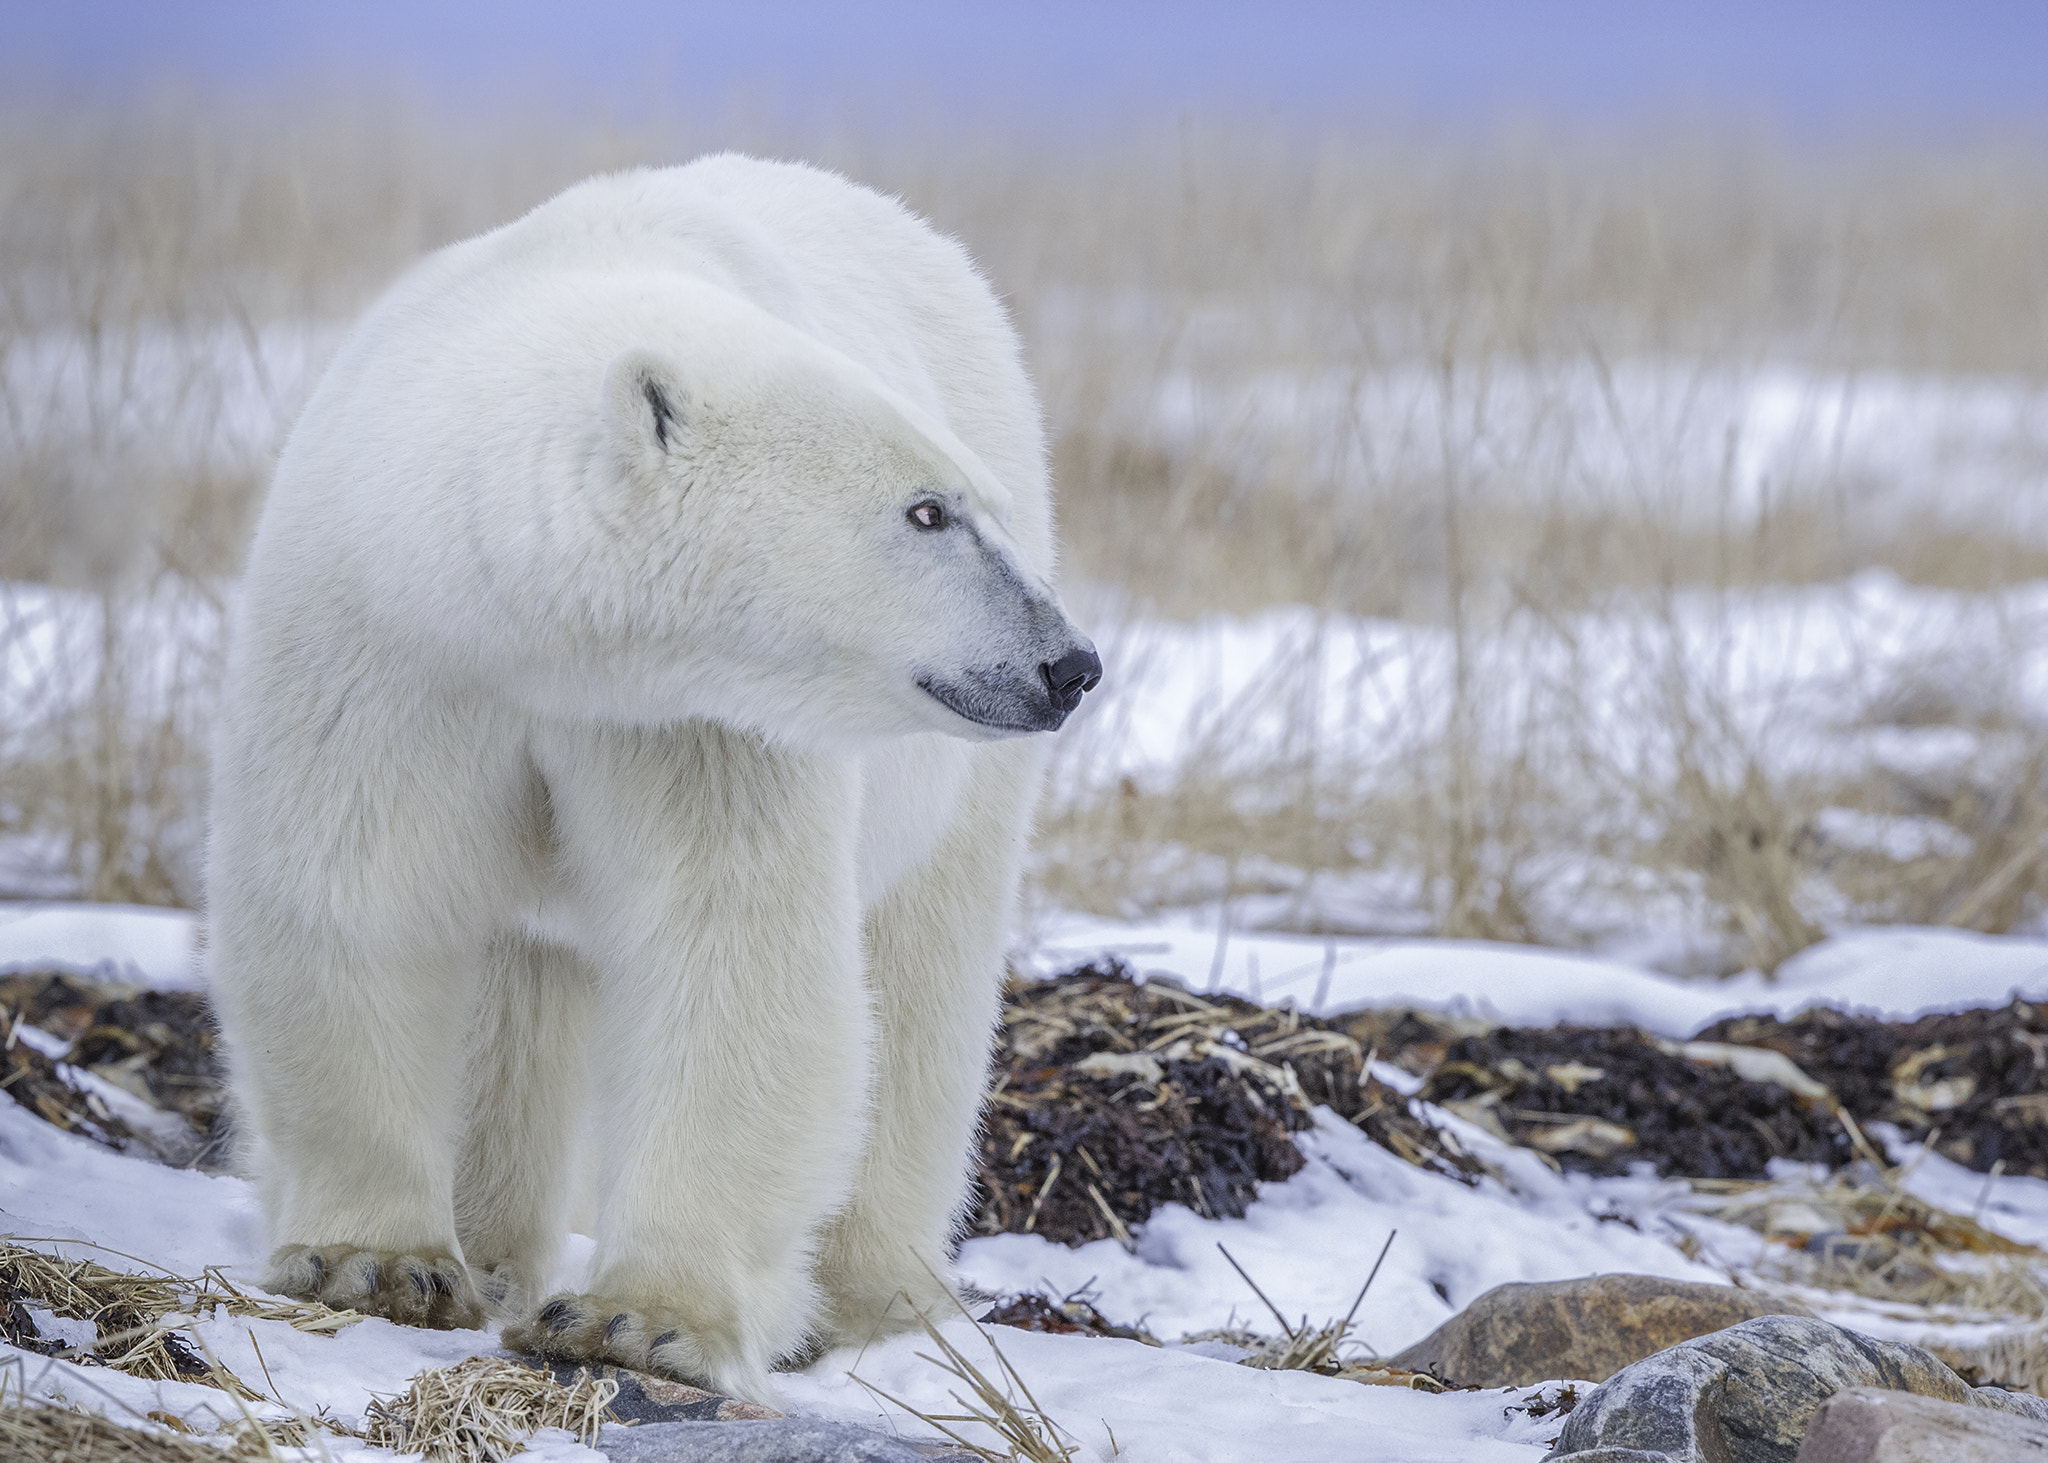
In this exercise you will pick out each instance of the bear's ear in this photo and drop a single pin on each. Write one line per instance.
(647, 409)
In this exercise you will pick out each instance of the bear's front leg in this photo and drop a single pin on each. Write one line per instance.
(935, 961)
(732, 1047)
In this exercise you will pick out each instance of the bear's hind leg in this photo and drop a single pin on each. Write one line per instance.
(527, 1069)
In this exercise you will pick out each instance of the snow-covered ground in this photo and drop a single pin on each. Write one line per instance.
(1803, 676)
(1580, 729)
(1589, 753)
(1308, 1242)
(124, 943)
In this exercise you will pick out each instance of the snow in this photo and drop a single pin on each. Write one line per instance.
(1803, 678)
(128, 943)
(1310, 1242)
(115, 691)
(174, 394)
(1901, 971)
(1154, 1405)
(1896, 972)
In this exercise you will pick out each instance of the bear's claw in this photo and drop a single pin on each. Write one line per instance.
(428, 1289)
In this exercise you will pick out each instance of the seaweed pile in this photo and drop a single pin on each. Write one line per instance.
(1114, 1097)
(1975, 1082)
(1600, 1099)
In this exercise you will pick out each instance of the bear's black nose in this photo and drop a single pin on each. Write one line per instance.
(1079, 670)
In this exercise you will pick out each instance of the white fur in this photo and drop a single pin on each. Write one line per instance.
(575, 710)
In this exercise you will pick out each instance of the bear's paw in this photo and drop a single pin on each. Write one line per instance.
(593, 1329)
(430, 1289)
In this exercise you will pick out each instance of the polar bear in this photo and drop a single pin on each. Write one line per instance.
(627, 751)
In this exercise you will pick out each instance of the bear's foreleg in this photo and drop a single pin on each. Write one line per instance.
(343, 1069)
(935, 961)
(731, 1054)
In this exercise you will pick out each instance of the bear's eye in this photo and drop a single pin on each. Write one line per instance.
(929, 515)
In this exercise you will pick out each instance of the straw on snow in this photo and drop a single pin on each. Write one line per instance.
(137, 1317)
(483, 1410)
(33, 1434)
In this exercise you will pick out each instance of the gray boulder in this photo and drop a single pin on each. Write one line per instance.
(1863, 1425)
(1746, 1394)
(1518, 1335)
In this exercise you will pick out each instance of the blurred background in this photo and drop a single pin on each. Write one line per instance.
(1571, 472)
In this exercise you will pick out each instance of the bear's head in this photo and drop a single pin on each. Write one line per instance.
(837, 563)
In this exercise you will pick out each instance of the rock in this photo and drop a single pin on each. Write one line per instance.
(783, 1440)
(646, 1399)
(1865, 1425)
(1746, 1394)
(1587, 1330)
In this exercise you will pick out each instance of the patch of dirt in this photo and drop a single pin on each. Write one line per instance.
(1979, 1078)
(59, 1004)
(159, 1046)
(1114, 1097)
(1598, 1099)
(38, 1084)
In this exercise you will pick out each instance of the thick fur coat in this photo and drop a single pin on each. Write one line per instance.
(626, 761)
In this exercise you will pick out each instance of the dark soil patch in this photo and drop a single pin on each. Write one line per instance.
(1978, 1077)
(166, 1042)
(59, 1004)
(158, 1045)
(1114, 1097)
(38, 1084)
(1599, 1099)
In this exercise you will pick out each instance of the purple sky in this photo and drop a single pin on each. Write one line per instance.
(1825, 68)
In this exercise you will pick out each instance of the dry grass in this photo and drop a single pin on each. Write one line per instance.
(45, 1434)
(1303, 1347)
(483, 1410)
(1003, 1404)
(139, 1319)
(1861, 1232)
(1374, 379)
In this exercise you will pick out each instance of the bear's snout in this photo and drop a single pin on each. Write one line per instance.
(1073, 674)
(1007, 699)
